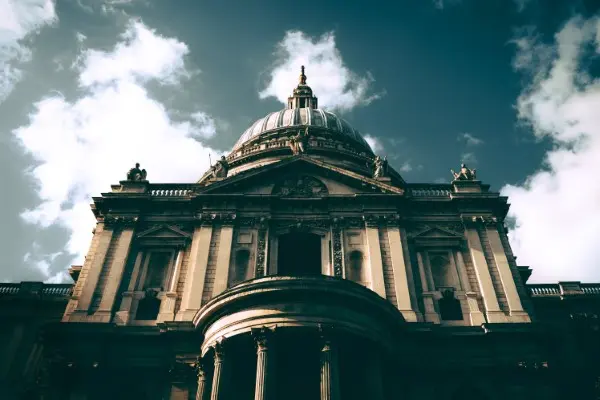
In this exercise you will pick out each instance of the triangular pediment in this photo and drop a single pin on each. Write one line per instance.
(436, 232)
(164, 232)
(300, 175)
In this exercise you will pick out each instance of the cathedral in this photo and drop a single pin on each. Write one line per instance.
(303, 266)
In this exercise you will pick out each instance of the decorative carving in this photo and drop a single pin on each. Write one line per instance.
(200, 368)
(261, 337)
(337, 251)
(485, 220)
(300, 186)
(209, 218)
(219, 350)
(136, 174)
(120, 221)
(260, 251)
(303, 224)
(465, 174)
(372, 220)
(299, 142)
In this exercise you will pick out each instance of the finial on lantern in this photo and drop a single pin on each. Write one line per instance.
(302, 76)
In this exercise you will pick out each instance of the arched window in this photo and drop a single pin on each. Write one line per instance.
(354, 271)
(241, 270)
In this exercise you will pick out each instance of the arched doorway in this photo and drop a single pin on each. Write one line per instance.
(299, 253)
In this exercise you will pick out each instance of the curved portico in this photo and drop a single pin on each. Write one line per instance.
(305, 329)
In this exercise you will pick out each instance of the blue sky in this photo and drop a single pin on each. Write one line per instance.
(88, 87)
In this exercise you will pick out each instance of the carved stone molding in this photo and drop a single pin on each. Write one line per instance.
(480, 220)
(260, 251)
(225, 218)
(300, 186)
(219, 350)
(253, 222)
(375, 220)
(120, 221)
(302, 224)
(337, 251)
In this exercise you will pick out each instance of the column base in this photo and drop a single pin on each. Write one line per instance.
(122, 317)
(411, 316)
(519, 317)
(496, 317)
(431, 315)
(186, 315)
(475, 315)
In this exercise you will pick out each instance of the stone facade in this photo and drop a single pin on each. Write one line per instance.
(301, 266)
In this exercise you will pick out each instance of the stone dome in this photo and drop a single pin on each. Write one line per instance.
(327, 122)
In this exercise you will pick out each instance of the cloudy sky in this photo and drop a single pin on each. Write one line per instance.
(88, 87)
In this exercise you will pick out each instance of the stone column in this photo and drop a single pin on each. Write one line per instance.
(372, 233)
(262, 389)
(196, 273)
(219, 385)
(517, 314)
(167, 306)
(201, 373)
(431, 314)
(117, 267)
(92, 274)
(330, 385)
(400, 270)
(475, 315)
(486, 287)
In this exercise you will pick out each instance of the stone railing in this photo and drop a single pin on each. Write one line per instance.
(36, 289)
(431, 191)
(171, 190)
(564, 289)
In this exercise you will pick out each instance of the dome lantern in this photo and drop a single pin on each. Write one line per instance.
(302, 97)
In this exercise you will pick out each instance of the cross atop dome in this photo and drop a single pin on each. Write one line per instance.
(302, 97)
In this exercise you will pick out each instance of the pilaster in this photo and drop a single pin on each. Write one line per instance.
(223, 259)
(486, 287)
(401, 272)
(93, 273)
(196, 273)
(104, 312)
(517, 313)
(476, 317)
(376, 263)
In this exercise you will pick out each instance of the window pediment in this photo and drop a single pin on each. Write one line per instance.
(437, 236)
(163, 235)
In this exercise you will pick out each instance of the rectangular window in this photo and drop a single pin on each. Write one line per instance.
(156, 270)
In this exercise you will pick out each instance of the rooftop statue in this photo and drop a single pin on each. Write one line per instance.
(299, 142)
(465, 174)
(136, 174)
(221, 168)
(380, 167)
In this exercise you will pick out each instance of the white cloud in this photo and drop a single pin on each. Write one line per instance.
(470, 140)
(468, 158)
(557, 210)
(406, 167)
(336, 86)
(18, 20)
(82, 147)
(374, 142)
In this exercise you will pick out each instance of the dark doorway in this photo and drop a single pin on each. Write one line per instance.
(299, 254)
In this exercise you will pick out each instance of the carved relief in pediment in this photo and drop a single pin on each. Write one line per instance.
(300, 186)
